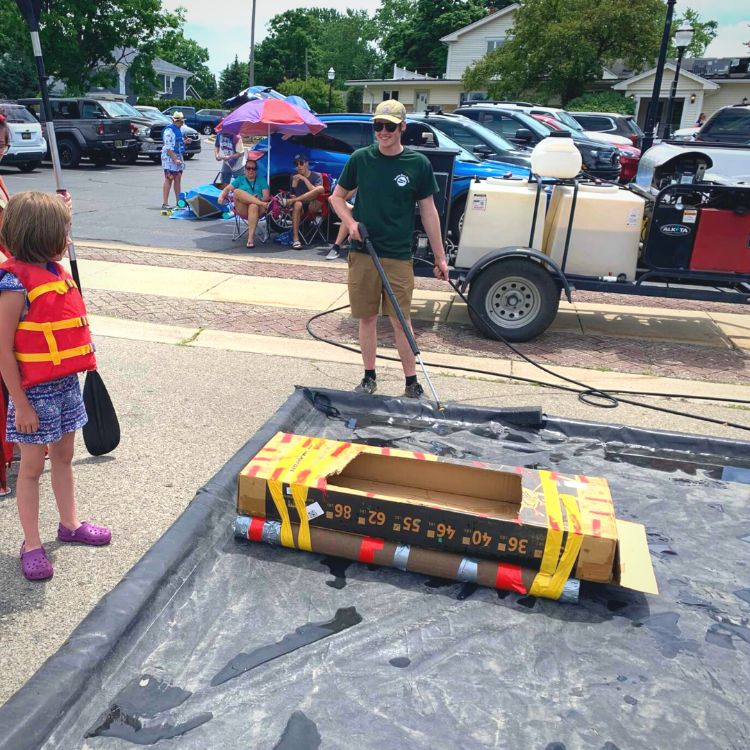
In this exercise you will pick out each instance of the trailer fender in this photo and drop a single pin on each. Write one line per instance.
(505, 253)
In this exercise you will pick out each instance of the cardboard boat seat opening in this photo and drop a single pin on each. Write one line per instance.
(497, 494)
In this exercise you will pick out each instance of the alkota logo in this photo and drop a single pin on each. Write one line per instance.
(675, 230)
(401, 180)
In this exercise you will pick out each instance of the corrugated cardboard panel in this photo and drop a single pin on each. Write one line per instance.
(633, 568)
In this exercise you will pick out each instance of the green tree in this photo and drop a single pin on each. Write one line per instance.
(83, 40)
(18, 77)
(176, 48)
(558, 47)
(306, 42)
(233, 78)
(704, 32)
(315, 92)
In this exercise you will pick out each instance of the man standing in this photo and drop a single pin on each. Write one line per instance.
(389, 179)
(306, 186)
(172, 159)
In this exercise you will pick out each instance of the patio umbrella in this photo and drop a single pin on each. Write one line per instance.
(266, 116)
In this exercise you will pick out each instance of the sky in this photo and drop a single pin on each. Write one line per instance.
(224, 28)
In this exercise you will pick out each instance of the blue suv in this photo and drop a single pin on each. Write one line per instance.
(329, 150)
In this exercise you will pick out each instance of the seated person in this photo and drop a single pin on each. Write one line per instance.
(306, 187)
(229, 150)
(251, 197)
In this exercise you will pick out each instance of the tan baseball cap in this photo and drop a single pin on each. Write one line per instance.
(390, 110)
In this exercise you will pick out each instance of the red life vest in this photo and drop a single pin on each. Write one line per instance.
(54, 339)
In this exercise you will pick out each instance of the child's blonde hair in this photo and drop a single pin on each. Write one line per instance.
(35, 227)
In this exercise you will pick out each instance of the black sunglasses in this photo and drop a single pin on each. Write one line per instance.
(249, 167)
(299, 163)
(389, 126)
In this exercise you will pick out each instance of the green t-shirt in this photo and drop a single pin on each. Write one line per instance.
(256, 187)
(387, 189)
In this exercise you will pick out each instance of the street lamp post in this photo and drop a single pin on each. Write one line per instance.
(653, 107)
(251, 66)
(331, 76)
(682, 39)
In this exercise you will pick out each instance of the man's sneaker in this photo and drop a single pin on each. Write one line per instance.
(333, 253)
(414, 390)
(368, 385)
(166, 207)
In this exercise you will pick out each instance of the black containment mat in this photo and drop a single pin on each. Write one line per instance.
(335, 654)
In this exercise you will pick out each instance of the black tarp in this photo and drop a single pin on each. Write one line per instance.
(351, 656)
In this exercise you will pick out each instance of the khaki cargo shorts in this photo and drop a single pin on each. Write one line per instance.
(366, 293)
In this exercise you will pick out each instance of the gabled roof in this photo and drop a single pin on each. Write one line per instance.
(162, 66)
(703, 82)
(453, 36)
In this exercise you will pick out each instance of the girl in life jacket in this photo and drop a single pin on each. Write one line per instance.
(44, 343)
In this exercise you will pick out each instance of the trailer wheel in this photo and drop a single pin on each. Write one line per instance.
(515, 299)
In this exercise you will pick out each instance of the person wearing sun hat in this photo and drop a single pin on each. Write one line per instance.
(389, 180)
(173, 159)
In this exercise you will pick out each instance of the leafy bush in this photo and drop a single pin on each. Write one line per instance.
(602, 101)
(354, 99)
(315, 92)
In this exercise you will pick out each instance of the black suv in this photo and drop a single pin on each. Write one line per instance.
(611, 122)
(599, 159)
(729, 125)
(475, 138)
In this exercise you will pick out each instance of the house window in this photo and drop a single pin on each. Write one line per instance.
(495, 43)
(162, 79)
(390, 95)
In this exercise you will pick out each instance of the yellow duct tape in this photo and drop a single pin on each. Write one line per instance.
(555, 568)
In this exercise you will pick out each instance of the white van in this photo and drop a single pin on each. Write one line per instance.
(27, 144)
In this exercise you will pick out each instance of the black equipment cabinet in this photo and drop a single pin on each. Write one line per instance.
(442, 161)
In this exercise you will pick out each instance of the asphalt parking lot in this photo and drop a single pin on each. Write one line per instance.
(119, 203)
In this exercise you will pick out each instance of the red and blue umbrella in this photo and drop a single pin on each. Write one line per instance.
(266, 116)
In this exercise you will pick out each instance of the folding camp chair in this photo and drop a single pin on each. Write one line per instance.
(262, 229)
(316, 225)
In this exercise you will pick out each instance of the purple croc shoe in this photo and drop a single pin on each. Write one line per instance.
(86, 533)
(34, 565)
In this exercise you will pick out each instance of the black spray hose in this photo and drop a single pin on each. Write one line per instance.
(588, 395)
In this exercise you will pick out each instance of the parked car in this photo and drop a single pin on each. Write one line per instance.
(27, 144)
(484, 143)
(629, 155)
(202, 120)
(599, 159)
(329, 150)
(728, 125)
(208, 119)
(611, 122)
(566, 119)
(151, 145)
(85, 128)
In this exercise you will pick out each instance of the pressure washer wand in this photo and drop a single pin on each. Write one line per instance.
(363, 233)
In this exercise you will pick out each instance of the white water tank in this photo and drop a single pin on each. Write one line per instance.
(556, 156)
(499, 214)
(606, 230)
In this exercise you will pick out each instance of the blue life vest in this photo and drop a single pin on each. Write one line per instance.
(179, 141)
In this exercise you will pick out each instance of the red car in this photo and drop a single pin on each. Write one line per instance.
(629, 155)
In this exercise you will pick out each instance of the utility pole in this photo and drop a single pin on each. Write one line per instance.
(251, 66)
(653, 106)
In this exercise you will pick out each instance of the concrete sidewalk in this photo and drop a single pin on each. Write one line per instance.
(726, 330)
